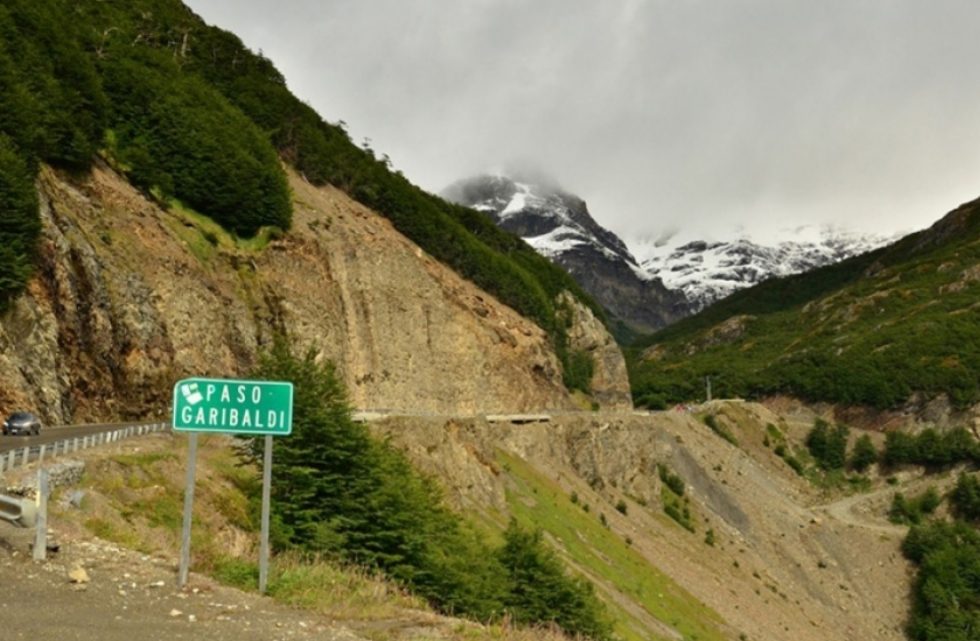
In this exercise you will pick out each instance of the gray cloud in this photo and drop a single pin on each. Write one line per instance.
(660, 113)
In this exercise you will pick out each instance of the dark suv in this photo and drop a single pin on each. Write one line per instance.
(22, 423)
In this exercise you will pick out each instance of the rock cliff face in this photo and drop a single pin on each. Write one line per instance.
(129, 298)
(610, 380)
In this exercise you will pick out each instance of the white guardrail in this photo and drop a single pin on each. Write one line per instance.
(20, 457)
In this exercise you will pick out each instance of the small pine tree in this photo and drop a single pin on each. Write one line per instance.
(828, 446)
(966, 497)
(864, 454)
(540, 591)
(817, 439)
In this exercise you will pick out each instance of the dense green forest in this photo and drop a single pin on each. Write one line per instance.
(946, 589)
(341, 493)
(872, 330)
(187, 111)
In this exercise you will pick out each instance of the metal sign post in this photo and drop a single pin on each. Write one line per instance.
(256, 408)
(41, 524)
(185, 536)
(266, 490)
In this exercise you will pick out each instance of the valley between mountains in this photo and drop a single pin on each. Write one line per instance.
(721, 440)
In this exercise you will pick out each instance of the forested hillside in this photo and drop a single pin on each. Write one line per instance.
(188, 113)
(873, 330)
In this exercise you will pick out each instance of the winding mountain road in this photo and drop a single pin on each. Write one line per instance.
(845, 512)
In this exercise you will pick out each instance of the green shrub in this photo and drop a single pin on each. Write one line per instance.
(539, 591)
(783, 452)
(930, 448)
(671, 480)
(19, 224)
(180, 135)
(578, 371)
(965, 498)
(912, 511)
(677, 509)
(712, 422)
(709, 537)
(945, 592)
(796, 465)
(828, 446)
(864, 454)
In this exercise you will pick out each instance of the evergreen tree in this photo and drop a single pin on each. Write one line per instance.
(19, 224)
(828, 446)
(966, 497)
(900, 448)
(539, 590)
(946, 591)
(817, 440)
(864, 454)
(341, 492)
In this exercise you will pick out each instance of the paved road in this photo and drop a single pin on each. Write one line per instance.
(51, 435)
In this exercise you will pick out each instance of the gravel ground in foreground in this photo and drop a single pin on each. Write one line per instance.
(126, 596)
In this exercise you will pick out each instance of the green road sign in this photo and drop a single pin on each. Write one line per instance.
(262, 408)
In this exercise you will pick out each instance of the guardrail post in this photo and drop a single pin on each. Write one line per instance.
(41, 525)
(40, 454)
(11, 460)
(27, 456)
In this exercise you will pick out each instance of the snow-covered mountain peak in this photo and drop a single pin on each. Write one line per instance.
(558, 225)
(545, 216)
(707, 270)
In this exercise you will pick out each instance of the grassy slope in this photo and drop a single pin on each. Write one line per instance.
(872, 330)
(536, 501)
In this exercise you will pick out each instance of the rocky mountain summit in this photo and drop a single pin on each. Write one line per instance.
(558, 225)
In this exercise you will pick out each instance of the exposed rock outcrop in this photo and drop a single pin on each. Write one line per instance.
(129, 298)
(610, 381)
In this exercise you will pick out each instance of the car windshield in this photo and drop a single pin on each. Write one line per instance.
(21, 416)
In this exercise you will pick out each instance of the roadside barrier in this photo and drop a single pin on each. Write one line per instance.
(18, 510)
(38, 453)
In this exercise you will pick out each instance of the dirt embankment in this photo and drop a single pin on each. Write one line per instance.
(783, 566)
(785, 562)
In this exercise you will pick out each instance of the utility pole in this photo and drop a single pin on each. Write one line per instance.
(707, 387)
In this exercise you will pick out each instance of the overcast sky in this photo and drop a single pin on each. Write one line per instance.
(761, 114)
